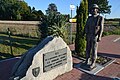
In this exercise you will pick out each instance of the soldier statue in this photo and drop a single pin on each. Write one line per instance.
(93, 30)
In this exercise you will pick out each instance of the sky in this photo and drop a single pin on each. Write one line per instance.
(63, 6)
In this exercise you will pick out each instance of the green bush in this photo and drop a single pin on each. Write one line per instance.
(80, 42)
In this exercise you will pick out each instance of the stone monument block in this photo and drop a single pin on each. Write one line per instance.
(49, 59)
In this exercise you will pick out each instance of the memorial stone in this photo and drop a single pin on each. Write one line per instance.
(49, 59)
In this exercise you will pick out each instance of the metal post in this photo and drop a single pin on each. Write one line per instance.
(10, 41)
(71, 13)
(71, 29)
(72, 7)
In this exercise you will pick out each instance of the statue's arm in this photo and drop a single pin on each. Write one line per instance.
(101, 28)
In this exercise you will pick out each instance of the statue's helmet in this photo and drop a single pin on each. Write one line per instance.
(95, 6)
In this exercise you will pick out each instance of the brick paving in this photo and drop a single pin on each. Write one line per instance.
(5, 68)
(106, 47)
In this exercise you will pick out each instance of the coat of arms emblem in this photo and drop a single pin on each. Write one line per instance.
(36, 71)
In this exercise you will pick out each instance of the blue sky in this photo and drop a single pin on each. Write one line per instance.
(63, 6)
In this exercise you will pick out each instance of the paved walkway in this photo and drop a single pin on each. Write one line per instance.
(5, 68)
(109, 46)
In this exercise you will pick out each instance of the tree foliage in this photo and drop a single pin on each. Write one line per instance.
(82, 13)
(51, 8)
(18, 10)
(104, 6)
(56, 22)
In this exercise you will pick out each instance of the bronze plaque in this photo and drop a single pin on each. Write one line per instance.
(54, 59)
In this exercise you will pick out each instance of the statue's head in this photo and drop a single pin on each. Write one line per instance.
(94, 9)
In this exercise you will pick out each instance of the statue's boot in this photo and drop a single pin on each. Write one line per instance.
(93, 64)
(87, 62)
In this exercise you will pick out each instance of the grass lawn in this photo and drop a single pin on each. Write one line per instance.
(19, 45)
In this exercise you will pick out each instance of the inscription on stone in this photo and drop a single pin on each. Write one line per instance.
(54, 59)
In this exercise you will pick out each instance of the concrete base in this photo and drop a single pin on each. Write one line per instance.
(93, 71)
(86, 67)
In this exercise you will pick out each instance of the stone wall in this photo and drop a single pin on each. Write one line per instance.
(25, 28)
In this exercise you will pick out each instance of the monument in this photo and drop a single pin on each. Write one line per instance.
(93, 30)
(49, 59)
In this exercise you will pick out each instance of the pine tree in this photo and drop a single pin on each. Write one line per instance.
(82, 13)
(85, 13)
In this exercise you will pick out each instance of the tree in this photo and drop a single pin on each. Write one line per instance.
(51, 8)
(18, 10)
(105, 8)
(82, 13)
(56, 22)
(52, 14)
(4, 4)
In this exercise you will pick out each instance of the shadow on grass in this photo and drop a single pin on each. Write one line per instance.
(5, 56)
(25, 41)
(20, 42)
(14, 44)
